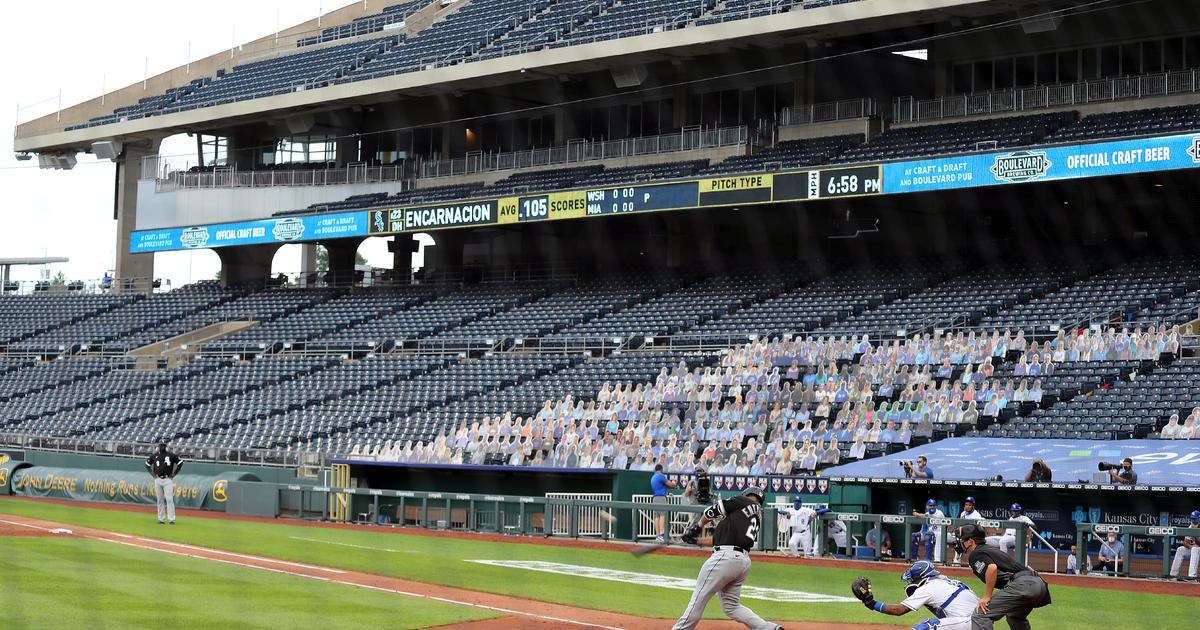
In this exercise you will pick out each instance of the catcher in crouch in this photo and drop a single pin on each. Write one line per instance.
(951, 601)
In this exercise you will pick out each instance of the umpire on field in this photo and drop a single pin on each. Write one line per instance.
(1011, 590)
(163, 465)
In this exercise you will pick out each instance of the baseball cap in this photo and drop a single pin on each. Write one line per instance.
(1016, 507)
(1195, 515)
(969, 500)
(930, 503)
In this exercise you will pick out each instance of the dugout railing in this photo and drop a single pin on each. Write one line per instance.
(574, 517)
(493, 513)
(1133, 537)
(858, 524)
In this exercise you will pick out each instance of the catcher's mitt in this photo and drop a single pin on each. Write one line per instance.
(692, 535)
(861, 588)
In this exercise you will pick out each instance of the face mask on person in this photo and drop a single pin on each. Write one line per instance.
(1112, 539)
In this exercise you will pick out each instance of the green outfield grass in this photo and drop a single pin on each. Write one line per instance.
(77, 583)
(406, 554)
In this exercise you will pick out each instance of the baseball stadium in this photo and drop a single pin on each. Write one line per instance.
(619, 314)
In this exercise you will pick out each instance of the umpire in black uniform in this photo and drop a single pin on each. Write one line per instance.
(1011, 591)
(163, 465)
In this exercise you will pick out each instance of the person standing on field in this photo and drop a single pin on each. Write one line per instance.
(163, 466)
(725, 571)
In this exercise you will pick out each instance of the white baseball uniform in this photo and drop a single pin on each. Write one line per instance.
(1184, 551)
(837, 531)
(1009, 539)
(798, 521)
(949, 600)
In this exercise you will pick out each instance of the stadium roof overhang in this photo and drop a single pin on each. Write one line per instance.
(795, 27)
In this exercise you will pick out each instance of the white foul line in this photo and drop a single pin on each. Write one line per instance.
(330, 542)
(662, 581)
(45, 529)
(242, 555)
(312, 577)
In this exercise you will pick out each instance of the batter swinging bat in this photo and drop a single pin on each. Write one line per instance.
(642, 550)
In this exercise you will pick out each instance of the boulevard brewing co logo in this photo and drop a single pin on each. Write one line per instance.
(194, 237)
(288, 229)
(1021, 166)
(1194, 150)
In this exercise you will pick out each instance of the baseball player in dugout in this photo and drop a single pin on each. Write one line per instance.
(725, 571)
(951, 602)
(1011, 590)
(1189, 547)
(799, 517)
(163, 465)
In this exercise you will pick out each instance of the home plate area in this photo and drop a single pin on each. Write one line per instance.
(663, 581)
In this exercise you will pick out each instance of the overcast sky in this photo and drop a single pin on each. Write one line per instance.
(78, 46)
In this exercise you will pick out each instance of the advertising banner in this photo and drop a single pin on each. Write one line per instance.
(8, 469)
(285, 230)
(1052, 163)
(116, 486)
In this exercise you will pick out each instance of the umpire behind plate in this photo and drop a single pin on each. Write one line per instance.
(951, 602)
(725, 571)
(1011, 590)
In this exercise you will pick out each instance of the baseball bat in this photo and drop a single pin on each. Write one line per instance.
(642, 550)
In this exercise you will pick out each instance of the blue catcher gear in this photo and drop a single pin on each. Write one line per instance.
(919, 572)
(928, 623)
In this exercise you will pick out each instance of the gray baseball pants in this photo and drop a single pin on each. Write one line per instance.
(164, 493)
(1014, 602)
(723, 572)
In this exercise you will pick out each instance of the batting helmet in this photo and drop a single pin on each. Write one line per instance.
(1016, 507)
(754, 491)
(919, 572)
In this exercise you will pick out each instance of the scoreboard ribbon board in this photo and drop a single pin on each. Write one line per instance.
(682, 195)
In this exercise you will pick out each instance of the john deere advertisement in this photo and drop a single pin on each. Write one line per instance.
(114, 486)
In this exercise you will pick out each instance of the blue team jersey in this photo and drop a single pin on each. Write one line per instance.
(658, 484)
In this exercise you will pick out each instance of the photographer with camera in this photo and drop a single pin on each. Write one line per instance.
(920, 471)
(1120, 474)
(1039, 472)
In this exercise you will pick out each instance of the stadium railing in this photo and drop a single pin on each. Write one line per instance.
(134, 450)
(913, 524)
(850, 109)
(355, 173)
(1129, 534)
(580, 150)
(87, 286)
(909, 109)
